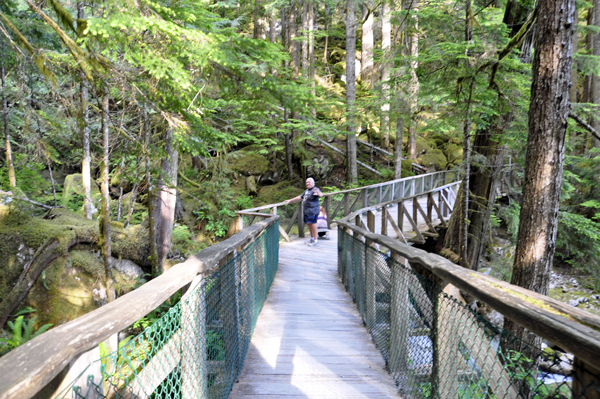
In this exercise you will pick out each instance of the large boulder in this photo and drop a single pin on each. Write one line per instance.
(248, 163)
(73, 284)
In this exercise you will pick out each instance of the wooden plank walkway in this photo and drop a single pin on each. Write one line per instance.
(309, 340)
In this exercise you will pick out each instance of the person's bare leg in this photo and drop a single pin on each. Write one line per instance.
(312, 227)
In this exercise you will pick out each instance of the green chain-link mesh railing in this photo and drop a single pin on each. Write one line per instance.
(196, 350)
(436, 347)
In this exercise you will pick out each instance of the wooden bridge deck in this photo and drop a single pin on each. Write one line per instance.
(309, 340)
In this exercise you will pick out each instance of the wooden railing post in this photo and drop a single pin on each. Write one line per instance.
(586, 381)
(401, 215)
(365, 197)
(327, 207)
(301, 219)
(194, 376)
(384, 221)
(445, 347)
(370, 222)
(416, 210)
(230, 309)
(346, 201)
(399, 319)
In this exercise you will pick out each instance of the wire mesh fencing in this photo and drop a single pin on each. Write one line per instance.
(437, 347)
(197, 348)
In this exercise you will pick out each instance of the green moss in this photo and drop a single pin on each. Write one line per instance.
(248, 163)
(74, 185)
(435, 158)
(88, 262)
(63, 293)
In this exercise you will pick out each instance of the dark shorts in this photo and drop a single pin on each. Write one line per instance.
(311, 219)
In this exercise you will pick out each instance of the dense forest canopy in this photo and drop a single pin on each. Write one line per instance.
(167, 116)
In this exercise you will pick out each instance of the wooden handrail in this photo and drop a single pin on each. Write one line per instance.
(573, 329)
(392, 202)
(28, 368)
(352, 190)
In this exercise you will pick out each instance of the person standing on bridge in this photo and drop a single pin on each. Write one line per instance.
(311, 209)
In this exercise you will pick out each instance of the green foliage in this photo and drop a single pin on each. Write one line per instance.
(22, 329)
(510, 215)
(28, 176)
(243, 202)
(578, 243)
(183, 241)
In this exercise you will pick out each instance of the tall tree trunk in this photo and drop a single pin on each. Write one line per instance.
(165, 200)
(351, 90)
(596, 78)
(104, 220)
(311, 53)
(398, 150)
(84, 131)
(12, 180)
(483, 181)
(548, 112)
(463, 241)
(295, 46)
(153, 234)
(366, 70)
(386, 65)
(414, 79)
(589, 46)
(327, 17)
(258, 15)
(305, 18)
(272, 27)
(286, 43)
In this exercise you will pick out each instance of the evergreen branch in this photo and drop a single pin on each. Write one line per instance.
(516, 41)
(77, 52)
(584, 124)
(38, 58)
(3, 30)
(64, 15)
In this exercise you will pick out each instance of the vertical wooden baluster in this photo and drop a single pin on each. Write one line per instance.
(586, 379)
(401, 216)
(346, 200)
(384, 221)
(301, 219)
(327, 207)
(415, 211)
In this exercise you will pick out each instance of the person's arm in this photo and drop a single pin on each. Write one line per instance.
(295, 199)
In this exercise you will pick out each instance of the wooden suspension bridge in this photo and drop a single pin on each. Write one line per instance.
(344, 319)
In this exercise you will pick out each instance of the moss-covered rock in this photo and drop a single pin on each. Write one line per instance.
(248, 163)
(73, 283)
(433, 158)
(74, 187)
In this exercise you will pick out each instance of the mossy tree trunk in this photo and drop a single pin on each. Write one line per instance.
(386, 65)
(104, 220)
(352, 171)
(414, 87)
(164, 202)
(12, 180)
(84, 131)
(483, 180)
(366, 70)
